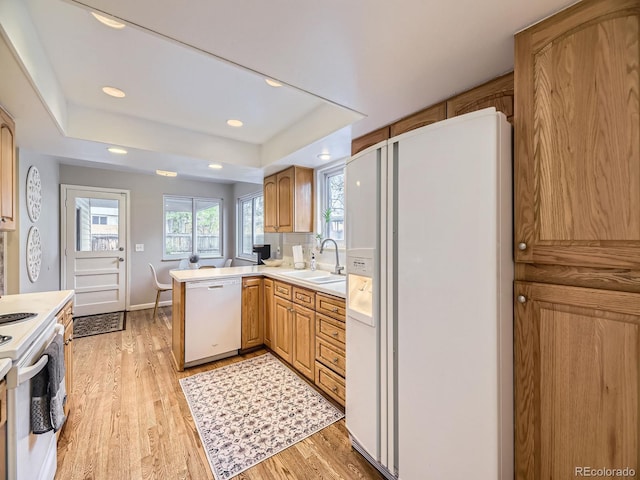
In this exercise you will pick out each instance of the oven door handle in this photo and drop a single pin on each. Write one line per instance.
(26, 374)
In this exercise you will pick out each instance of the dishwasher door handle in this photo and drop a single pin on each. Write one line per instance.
(215, 286)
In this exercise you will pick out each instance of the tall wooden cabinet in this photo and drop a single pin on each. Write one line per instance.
(7, 172)
(577, 241)
(289, 201)
(252, 313)
(268, 312)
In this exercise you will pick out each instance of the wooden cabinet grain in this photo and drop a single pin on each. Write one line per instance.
(577, 132)
(283, 331)
(252, 313)
(498, 93)
(7, 172)
(430, 115)
(289, 201)
(371, 138)
(577, 381)
(304, 327)
(268, 312)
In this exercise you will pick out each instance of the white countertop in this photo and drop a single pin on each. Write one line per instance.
(5, 366)
(188, 275)
(44, 304)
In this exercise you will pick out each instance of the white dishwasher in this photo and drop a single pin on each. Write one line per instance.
(212, 323)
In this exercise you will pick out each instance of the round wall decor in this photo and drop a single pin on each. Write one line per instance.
(34, 254)
(34, 194)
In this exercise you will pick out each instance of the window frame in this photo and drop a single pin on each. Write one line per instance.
(194, 226)
(322, 183)
(239, 233)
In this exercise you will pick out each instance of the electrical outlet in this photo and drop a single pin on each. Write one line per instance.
(139, 247)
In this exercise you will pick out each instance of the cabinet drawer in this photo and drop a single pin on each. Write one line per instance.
(332, 306)
(283, 290)
(331, 356)
(331, 330)
(330, 383)
(304, 297)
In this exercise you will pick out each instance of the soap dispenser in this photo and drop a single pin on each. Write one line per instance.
(313, 261)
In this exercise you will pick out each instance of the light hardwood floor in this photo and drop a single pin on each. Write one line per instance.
(130, 420)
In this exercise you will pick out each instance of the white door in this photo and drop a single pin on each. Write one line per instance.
(94, 248)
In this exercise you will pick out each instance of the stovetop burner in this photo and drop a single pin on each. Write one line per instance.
(15, 317)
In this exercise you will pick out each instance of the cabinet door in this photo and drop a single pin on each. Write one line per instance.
(304, 346)
(430, 115)
(252, 318)
(7, 173)
(68, 364)
(497, 93)
(577, 132)
(270, 204)
(268, 312)
(577, 367)
(285, 200)
(283, 335)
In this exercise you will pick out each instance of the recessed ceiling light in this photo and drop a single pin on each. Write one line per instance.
(324, 156)
(234, 123)
(114, 92)
(109, 22)
(166, 173)
(215, 166)
(117, 150)
(272, 82)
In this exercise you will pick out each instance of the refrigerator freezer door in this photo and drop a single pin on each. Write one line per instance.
(452, 268)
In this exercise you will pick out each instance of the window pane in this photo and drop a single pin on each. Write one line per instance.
(335, 201)
(247, 234)
(93, 232)
(207, 227)
(178, 225)
(258, 220)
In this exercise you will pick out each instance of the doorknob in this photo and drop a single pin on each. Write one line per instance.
(121, 259)
(121, 249)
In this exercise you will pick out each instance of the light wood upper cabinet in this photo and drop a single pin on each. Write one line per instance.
(419, 119)
(268, 312)
(288, 201)
(371, 138)
(496, 93)
(577, 381)
(577, 137)
(252, 312)
(7, 173)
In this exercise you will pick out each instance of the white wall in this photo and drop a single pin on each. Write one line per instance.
(147, 218)
(48, 224)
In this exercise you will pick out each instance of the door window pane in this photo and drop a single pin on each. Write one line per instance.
(97, 223)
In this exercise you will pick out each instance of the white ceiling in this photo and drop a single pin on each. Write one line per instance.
(180, 68)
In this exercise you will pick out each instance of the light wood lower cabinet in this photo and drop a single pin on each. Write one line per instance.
(577, 380)
(252, 313)
(283, 337)
(3, 427)
(304, 327)
(65, 318)
(268, 312)
(331, 358)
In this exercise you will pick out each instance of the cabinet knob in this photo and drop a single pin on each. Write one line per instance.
(121, 259)
(3, 220)
(334, 389)
(334, 309)
(522, 299)
(335, 360)
(334, 334)
(522, 246)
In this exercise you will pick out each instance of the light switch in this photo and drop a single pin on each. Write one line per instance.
(139, 247)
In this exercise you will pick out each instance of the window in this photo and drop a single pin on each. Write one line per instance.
(332, 203)
(98, 220)
(250, 224)
(183, 236)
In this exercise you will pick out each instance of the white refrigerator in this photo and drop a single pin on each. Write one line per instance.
(429, 301)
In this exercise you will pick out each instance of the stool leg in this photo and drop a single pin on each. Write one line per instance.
(155, 309)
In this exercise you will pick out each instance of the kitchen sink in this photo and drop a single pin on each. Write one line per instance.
(315, 276)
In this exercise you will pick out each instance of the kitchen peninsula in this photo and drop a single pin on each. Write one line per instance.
(301, 320)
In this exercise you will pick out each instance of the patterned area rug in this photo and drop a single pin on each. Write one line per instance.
(251, 410)
(97, 324)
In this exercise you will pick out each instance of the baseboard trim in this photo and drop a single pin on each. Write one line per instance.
(144, 306)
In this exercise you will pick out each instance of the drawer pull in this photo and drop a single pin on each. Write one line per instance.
(282, 290)
(335, 360)
(334, 334)
(334, 309)
(334, 389)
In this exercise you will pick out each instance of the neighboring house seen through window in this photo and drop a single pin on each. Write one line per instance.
(250, 224)
(192, 226)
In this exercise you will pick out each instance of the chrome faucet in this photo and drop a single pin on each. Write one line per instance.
(338, 269)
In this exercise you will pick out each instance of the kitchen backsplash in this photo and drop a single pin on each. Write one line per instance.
(286, 241)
